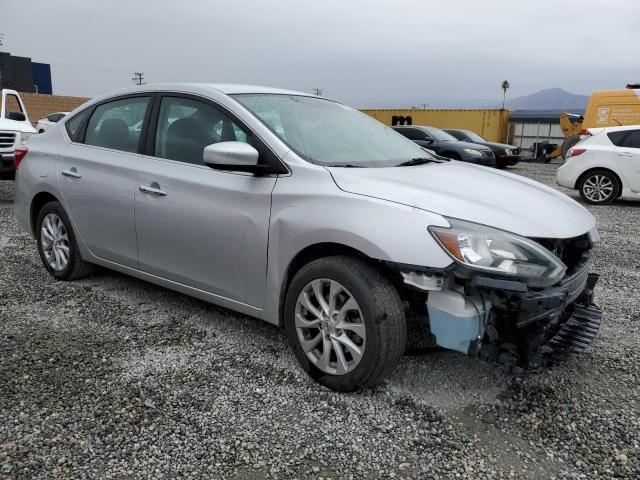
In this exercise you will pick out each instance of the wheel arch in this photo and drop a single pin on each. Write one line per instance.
(39, 201)
(593, 169)
(314, 252)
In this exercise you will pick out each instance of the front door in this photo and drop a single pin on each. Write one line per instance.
(97, 177)
(196, 226)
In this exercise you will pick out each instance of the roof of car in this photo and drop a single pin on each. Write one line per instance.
(616, 128)
(457, 130)
(231, 88)
(226, 88)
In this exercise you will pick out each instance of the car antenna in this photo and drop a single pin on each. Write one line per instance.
(618, 121)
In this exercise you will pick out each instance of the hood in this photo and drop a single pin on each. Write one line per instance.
(473, 193)
(463, 144)
(14, 126)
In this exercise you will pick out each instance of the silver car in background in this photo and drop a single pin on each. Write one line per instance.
(311, 215)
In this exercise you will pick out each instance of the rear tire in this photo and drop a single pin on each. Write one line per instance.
(57, 244)
(599, 187)
(376, 324)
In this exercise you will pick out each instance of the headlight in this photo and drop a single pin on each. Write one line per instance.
(493, 251)
(507, 151)
(472, 152)
(24, 138)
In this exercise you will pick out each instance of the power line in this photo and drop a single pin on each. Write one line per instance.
(138, 78)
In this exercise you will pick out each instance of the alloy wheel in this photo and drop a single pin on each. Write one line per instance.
(330, 326)
(55, 242)
(598, 188)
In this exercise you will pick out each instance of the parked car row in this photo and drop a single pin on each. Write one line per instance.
(314, 216)
(462, 145)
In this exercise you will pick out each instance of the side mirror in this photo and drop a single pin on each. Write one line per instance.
(428, 141)
(236, 156)
(17, 116)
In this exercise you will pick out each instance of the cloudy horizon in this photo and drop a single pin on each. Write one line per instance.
(364, 53)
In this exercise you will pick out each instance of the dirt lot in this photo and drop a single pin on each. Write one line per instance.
(113, 377)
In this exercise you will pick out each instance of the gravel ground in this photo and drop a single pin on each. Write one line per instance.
(113, 377)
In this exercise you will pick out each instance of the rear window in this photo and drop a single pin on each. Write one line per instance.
(626, 138)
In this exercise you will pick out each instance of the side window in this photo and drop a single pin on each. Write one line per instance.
(405, 132)
(117, 124)
(625, 138)
(13, 105)
(634, 139)
(74, 125)
(413, 133)
(617, 138)
(186, 126)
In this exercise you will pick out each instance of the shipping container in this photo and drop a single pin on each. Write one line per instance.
(490, 124)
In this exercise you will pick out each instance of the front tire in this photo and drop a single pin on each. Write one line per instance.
(599, 187)
(345, 323)
(57, 244)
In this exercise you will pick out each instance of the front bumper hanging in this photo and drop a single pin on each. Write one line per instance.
(554, 339)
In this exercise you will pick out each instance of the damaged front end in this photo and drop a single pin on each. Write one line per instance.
(522, 323)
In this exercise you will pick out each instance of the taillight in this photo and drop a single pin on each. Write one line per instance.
(584, 132)
(574, 152)
(21, 152)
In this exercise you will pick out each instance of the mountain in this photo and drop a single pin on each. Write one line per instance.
(547, 99)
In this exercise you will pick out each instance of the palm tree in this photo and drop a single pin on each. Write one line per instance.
(505, 86)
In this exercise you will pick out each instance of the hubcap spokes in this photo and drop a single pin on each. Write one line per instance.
(598, 188)
(55, 242)
(330, 326)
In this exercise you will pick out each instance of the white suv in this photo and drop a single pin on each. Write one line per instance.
(605, 165)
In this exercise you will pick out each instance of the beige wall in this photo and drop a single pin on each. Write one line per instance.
(490, 124)
(39, 106)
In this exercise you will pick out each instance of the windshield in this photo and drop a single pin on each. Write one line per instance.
(440, 135)
(330, 134)
(474, 137)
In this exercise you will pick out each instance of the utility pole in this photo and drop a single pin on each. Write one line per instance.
(317, 91)
(138, 78)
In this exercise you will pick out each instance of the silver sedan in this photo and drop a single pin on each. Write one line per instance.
(309, 214)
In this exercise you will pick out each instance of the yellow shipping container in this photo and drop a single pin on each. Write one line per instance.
(490, 124)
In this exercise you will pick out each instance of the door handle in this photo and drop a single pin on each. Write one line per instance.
(625, 154)
(153, 190)
(72, 172)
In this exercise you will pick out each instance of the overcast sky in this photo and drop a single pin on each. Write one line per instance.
(362, 52)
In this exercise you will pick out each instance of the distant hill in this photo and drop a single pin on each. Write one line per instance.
(547, 99)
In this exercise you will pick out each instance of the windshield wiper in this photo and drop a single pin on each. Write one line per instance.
(344, 165)
(417, 161)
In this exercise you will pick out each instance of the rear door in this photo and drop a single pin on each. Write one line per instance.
(627, 155)
(204, 228)
(97, 176)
